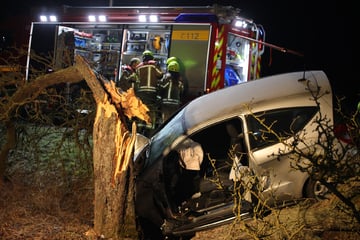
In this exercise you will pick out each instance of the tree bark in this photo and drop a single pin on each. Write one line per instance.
(114, 214)
(9, 144)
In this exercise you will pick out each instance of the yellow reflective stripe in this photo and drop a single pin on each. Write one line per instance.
(217, 53)
(215, 82)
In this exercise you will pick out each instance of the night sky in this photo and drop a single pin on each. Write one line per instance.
(324, 33)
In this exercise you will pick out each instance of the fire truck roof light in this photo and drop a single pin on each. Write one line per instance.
(102, 18)
(53, 18)
(150, 18)
(142, 18)
(153, 18)
(92, 18)
(43, 18)
(240, 23)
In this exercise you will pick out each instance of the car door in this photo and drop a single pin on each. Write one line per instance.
(265, 132)
(205, 197)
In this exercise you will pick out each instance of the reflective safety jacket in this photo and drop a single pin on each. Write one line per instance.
(149, 75)
(170, 89)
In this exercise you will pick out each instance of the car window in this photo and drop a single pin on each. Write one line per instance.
(205, 170)
(283, 122)
(218, 139)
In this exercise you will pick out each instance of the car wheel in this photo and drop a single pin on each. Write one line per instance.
(314, 189)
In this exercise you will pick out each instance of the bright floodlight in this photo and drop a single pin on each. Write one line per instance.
(102, 18)
(43, 18)
(240, 23)
(142, 18)
(53, 18)
(154, 18)
(92, 18)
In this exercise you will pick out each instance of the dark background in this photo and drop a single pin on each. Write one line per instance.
(324, 31)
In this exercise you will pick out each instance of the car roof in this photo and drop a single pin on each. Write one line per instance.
(276, 91)
(268, 93)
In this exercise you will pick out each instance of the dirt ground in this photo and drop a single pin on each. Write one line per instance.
(53, 213)
(41, 208)
(29, 212)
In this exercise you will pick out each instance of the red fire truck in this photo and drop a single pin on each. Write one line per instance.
(216, 47)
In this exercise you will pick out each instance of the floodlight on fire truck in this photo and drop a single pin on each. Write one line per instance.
(100, 18)
(240, 24)
(150, 18)
(51, 18)
(142, 18)
(153, 18)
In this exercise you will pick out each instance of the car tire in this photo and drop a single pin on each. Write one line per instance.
(314, 189)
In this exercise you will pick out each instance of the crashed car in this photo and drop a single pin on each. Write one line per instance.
(187, 171)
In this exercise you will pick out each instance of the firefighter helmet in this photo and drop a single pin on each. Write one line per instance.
(171, 59)
(134, 60)
(147, 53)
(173, 66)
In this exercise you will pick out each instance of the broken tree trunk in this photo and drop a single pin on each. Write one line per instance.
(114, 215)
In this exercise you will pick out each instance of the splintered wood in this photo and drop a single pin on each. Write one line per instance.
(127, 102)
(111, 102)
(124, 149)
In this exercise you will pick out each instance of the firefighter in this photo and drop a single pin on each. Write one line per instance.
(129, 77)
(149, 75)
(171, 59)
(170, 90)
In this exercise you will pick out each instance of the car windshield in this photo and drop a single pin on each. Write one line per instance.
(166, 136)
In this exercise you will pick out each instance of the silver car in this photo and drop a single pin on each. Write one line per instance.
(186, 172)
